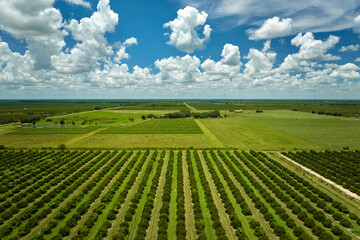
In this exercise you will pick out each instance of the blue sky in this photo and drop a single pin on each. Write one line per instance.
(180, 49)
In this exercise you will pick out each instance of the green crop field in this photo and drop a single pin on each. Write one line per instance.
(53, 130)
(158, 126)
(167, 194)
(276, 130)
(270, 130)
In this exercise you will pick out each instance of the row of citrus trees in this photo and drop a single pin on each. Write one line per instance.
(132, 194)
(341, 167)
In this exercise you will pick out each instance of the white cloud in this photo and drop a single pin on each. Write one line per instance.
(291, 64)
(39, 23)
(179, 69)
(347, 71)
(313, 16)
(184, 35)
(357, 24)
(79, 2)
(226, 68)
(311, 49)
(231, 55)
(121, 53)
(95, 68)
(260, 62)
(357, 59)
(272, 28)
(93, 45)
(350, 48)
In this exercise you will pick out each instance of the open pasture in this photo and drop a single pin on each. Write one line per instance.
(165, 194)
(53, 130)
(280, 129)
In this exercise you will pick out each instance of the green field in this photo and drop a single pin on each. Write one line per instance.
(270, 130)
(166, 194)
(158, 126)
(143, 141)
(275, 130)
(53, 130)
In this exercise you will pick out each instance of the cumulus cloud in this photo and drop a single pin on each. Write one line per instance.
(184, 35)
(179, 69)
(313, 16)
(39, 23)
(346, 71)
(95, 68)
(121, 53)
(350, 48)
(311, 49)
(224, 69)
(260, 62)
(272, 28)
(357, 59)
(92, 46)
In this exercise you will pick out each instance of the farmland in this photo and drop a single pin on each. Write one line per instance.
(128, 170)
(159, 126)
(341, 167)
(30, 110)
(270, 130)
(166, 194)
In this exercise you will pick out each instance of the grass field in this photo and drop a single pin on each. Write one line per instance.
(143, 140)
(53, 130)
(35, 140)
(270, 130)
(158, 126)
(273, 130)
(145, 194)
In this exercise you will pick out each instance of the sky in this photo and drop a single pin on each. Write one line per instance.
(168, 49)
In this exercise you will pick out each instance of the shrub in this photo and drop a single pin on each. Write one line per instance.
(326, 236)
(253, 223)
(259, 231)
(64, 231)
(309, 222)
(279, 230)
(336, 230)
(346, 223)
(62, 147)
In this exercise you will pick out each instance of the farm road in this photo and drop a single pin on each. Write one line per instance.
(214, 141)
(82, 136)
(191, 108)
(340, 189)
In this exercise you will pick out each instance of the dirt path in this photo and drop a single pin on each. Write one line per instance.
(173, 203)
(340, 189)
(151, 232)
(224, 219)
(208, 230)
(82, 136)
(211, 137)
(189, 211)
(191, 108)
